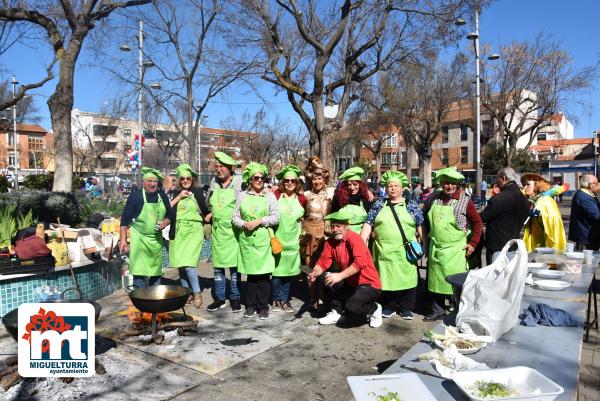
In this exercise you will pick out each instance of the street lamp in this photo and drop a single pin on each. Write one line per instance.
(16, 155)
(474, 36)
(142, 66)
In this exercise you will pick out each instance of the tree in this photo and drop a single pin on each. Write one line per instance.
(533, 81)
(319, 53)
(192, 63)
(493, 160)
(66, 27)
(26, 108)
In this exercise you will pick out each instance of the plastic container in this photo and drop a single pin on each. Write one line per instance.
(530, 384)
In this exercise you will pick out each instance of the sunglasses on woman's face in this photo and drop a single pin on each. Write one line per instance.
(185, 179)
(258, 178)
(289, 181)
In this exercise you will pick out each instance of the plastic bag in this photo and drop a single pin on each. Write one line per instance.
(491, 297)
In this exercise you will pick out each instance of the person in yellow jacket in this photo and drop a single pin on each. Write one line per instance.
(544, 226)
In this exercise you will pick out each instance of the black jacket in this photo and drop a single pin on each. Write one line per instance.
(585, 220)
(504, 216)
(199, 195)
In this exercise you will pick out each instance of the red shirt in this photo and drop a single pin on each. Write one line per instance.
(351, 250)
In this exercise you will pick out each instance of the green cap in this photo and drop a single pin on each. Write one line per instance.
(393, 175)
(225, 159)
(148, 172)
(448, 174)
(352, 174)
(253, 168)
(340, 215)
(289, 171)
(185, 170)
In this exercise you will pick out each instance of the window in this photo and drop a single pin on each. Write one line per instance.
(36, 160)
(104, 130)
(11, 139)
(389, 158)
(541, 137)
(464, 133)
(127, 132)
(390, 141)
(11, 159)
(108, 163)
(445, 134)
(35, 142)
(402, 159)
(487, 128)
(444, 156)
(464, 154)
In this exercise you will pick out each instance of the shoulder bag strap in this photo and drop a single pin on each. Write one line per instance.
(391, 205)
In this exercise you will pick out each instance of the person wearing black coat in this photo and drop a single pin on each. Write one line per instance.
(505, 213)
(584, 228)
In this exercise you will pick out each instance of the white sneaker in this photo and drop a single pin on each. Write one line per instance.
(331, 317)
(376, 318)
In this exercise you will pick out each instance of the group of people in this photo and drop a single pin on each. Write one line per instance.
(359, 254)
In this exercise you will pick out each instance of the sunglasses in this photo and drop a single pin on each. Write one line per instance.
(185, 179)
(289, 181)
(258, 178)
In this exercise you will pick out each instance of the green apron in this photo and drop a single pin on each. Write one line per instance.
(395, 271)
(145, 256)
(359, 215)
(224, 244)
(288, 232)
(446, 248)
(185, 248)
(254, 255)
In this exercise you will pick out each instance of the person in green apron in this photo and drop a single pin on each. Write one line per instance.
(224, 243)
(186, 234)
(291, 210)
(147, 211)
(398, 276)
(453, 229)
(255, 212)
(353, 197)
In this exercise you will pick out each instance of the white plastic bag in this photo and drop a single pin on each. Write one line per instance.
(491, 297)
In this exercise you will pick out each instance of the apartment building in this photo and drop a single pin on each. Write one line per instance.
(35, 150)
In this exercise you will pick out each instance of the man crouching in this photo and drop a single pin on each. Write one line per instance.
(352, 291)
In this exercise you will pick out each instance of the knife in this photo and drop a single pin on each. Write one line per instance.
(423, 372)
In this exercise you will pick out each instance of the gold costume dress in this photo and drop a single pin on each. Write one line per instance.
(318, 205)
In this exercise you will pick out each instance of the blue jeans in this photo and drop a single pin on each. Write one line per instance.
(189, 278)
(143, 281)
(280, 288)
(220, 281)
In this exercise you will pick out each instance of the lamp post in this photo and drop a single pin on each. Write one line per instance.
(142, 66)
(474, 36)
(16, 155)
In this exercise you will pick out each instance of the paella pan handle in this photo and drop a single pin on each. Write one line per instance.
(62, 295)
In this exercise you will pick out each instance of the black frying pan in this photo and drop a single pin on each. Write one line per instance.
(160, 298)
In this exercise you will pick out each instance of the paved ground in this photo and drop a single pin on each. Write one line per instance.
(300, 360)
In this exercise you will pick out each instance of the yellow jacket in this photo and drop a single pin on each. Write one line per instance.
(545, 230)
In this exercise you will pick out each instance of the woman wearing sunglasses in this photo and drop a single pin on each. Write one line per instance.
(291, 210)
(353, 197)
(255, 212)
(187, 230)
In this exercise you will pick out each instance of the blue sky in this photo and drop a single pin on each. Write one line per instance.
(572, 23)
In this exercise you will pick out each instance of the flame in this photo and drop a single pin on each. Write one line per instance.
(144, 318)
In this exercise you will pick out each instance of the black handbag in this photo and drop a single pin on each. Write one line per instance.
(414, 250)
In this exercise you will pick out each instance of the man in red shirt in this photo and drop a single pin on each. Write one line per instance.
(356, 287)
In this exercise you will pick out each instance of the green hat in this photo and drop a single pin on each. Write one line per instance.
(352, 174)
(253, 168)
(185, 170)
(339, 216)
(148, 172)
(393, 175)
(225, 159)
(449, 174)
(289, 171)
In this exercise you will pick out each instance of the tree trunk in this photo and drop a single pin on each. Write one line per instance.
(192, 140)
(425, 170)
(409, 164)
(378, 167)
(60, 104)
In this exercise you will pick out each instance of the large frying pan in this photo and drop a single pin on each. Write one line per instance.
(11, 319)
(160, 298)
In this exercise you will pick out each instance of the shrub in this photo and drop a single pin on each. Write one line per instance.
(43, 182)
(45, 206)
(4, 184)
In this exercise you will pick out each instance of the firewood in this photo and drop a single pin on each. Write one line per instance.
(9, 380)
(12, 360)
(7, 371)
(67, 379)
(159, 338)
(175, 325)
